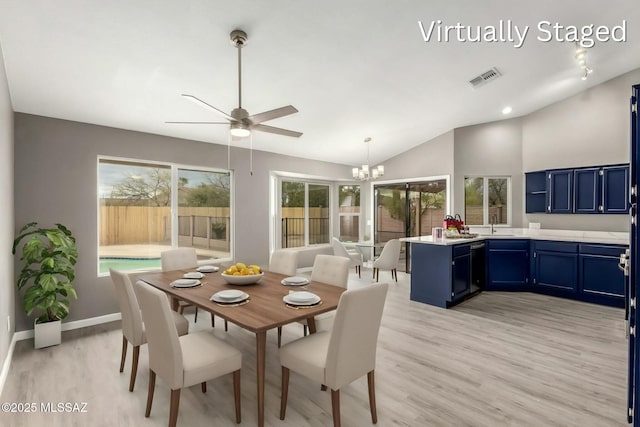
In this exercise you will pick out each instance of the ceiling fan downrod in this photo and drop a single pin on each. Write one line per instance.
(239, 39)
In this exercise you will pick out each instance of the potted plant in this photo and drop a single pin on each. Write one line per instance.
(49, 256)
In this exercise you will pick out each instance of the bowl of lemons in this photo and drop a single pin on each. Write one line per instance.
(242, 274)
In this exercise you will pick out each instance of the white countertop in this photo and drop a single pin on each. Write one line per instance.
(602, 237)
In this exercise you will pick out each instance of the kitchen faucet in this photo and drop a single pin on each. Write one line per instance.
(494, 220)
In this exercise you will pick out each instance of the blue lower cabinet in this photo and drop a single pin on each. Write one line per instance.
(440, 275)
(600, 278)
(507, 265)
(555, 266)
(461, 276)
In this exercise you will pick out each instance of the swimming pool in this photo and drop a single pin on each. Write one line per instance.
(127, 263)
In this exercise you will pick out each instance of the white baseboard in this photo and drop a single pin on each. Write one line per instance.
(7, 363)
(76, 324)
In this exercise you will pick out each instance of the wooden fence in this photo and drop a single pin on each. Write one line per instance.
(126, 225)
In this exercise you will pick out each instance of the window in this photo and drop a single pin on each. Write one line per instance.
(146, 208)
(349, 212)
(487, 200)
(304, 213)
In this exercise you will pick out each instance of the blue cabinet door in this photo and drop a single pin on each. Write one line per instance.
(461, 276)
(507, 265)
(586, 190)
(615, 189)
(600, 275)
(560, 191)
(556, 270)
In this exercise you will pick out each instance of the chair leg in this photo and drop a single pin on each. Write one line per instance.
(304, 330)
(279, 336)
(152, 385)
(335, 406)
(181, 309)
(377, 274)
(226, 326)
(394, 274)
(196, 318)
(213, 321)
(359, 271)
(372, 397)
(124, 353)
(236, 394)
(374, 272)
(285, 392)
(173, 409)
(134, 367)
(203, 386)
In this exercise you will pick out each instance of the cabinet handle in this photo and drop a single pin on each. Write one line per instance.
(601, 208)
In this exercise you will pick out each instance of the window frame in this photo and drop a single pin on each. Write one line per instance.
(341, 214)
(485, 199)
(174, 168)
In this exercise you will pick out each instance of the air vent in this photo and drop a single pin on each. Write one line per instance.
(485, 78)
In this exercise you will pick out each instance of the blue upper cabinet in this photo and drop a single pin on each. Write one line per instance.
(536, 192)
(586, 190)
(615, 189)
(560, 191)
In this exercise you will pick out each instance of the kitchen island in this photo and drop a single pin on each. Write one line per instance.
(580, 265)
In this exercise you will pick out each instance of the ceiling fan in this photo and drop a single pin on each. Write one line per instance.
(241, 123)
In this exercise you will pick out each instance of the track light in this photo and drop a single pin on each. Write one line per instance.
(581, 57)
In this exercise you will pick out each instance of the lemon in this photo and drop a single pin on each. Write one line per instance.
(255, 268)
(237, 273)
(232, 269)
(240, 266)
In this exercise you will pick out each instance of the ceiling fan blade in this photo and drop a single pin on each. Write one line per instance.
(279, 131)
(272, 114)
(200, 102)
(199, 123)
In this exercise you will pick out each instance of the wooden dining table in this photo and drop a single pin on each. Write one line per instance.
(265, 310)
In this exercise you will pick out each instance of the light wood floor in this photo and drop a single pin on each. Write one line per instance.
(500, 359)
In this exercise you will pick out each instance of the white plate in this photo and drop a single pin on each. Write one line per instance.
(185, 283)
(301, 298)
(295, 281)
(229, 294)
(216, 298)
(193, 275)
(208, 268)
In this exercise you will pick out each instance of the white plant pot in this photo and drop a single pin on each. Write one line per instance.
(47, 334)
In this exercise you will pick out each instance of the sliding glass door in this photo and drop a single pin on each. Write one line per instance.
(408, 209)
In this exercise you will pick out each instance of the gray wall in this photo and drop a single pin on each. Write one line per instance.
(7, 282)
(591, 128)
(489, 149)
(55, 181)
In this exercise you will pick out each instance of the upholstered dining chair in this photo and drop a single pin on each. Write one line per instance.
(388, 259)
(183, 361)
(332, 270)
(181, 259)
(133, 330)
(283, 262)
(340, 356)
(354, 256)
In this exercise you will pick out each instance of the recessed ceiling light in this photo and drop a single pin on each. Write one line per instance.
(506, 110)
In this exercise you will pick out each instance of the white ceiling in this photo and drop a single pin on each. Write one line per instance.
(353, 68)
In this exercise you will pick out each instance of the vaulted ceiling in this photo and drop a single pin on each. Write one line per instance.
(353, 68)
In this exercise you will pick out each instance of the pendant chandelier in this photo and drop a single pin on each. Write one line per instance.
(365, 173)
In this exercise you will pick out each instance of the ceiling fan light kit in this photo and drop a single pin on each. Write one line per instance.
(241, 124)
